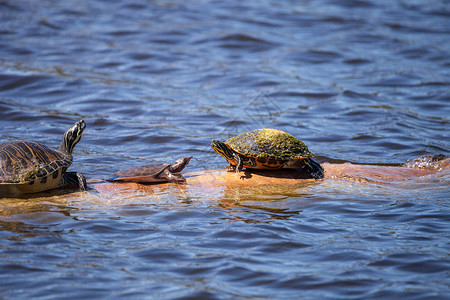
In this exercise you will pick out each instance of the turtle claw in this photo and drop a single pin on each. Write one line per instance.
(231, 168)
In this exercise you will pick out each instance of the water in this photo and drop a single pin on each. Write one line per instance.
(357, 81)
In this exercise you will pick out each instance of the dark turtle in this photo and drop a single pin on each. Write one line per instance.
(153, 173)
(30, 167)
(267, 149)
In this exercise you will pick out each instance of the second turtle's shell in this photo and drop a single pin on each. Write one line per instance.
(269, 143)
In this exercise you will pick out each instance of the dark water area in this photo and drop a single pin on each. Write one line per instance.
(358, 81)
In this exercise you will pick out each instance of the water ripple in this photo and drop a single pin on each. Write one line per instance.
(358, 81)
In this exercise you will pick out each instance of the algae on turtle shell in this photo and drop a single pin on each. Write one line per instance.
(32, 174)
(268, 142)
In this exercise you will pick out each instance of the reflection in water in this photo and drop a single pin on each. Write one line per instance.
(228, 188)
(33, 217)
(13, 206)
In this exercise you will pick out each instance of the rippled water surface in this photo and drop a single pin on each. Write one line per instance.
(358, 81)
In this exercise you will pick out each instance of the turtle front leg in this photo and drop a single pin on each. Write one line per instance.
(75, 179)
(176, 178)
(240, 163)
(314, 169)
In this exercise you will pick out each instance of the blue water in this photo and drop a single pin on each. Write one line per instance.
(358, 81)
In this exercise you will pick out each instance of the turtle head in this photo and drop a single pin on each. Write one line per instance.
(72, 137)
(180, 164)
(223, 149)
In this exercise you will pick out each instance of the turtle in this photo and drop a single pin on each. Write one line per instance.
(153, 173)
(267, 148)
(31, 167)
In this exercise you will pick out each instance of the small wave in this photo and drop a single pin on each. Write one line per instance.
(429, 162)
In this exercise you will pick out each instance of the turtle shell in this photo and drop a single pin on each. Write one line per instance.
(141, 174)
(153, 173)
(27, 166)
(270, 148)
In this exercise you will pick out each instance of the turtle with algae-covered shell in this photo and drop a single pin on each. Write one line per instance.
(267, 148)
